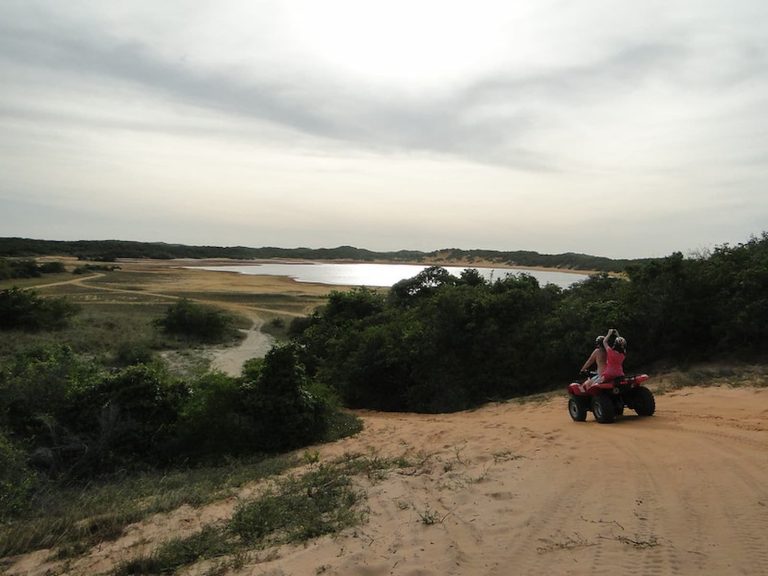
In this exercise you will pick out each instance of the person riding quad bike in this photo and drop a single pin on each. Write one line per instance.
(610, 390)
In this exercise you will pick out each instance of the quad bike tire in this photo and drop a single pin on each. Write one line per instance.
(577, 408)
(644, 403)
(603, 409)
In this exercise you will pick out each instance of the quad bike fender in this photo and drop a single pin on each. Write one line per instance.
(574, 389)
(579, 389)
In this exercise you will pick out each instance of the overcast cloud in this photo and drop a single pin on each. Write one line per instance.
(607, 127)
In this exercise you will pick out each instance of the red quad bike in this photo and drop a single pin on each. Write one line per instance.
(608, 399)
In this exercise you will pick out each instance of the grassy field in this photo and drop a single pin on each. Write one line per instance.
(118, 308)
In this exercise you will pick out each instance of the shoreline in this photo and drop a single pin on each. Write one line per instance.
(201, 262)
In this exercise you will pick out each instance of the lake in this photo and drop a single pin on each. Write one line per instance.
(380, 275)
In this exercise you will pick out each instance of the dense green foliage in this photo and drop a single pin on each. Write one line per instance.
(197, 321)
(273, 407)
(25, 310)
(86, 268)
(65, 417)
(25, 268)
(438, 342)
(17, 481)
(110, 250)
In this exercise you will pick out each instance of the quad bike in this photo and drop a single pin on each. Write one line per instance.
(608, 399)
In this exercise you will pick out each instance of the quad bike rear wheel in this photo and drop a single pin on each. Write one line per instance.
(577, 408)
(603, 409)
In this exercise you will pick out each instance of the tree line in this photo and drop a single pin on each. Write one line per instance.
(27, 268)
(111, 250)
(438, 342)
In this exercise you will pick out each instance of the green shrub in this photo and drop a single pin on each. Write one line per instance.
(17, 481)
(196, 321)
(212, 421)
(18, 269)
(25, 310)
(128, 418)
(85, 269)
(37, 388)
(133, 353)
(52, 268)
(273, 407)
(74, 418)
(287, 413)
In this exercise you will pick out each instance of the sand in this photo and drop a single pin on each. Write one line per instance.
(521, 489)
(255, 344)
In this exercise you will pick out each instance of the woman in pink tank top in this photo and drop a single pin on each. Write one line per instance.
(615, 354)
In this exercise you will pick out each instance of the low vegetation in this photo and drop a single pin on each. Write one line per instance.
(323, 500)
(204, 323)
(71, 519)
(25, 310)
(27, 268)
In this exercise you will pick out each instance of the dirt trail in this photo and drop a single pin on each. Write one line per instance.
(229, 360)
(523, 490)
(255, 345)
(520, 489)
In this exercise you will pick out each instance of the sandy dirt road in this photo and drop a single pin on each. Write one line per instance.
(523, 490)
(256, 344)
(520, 489)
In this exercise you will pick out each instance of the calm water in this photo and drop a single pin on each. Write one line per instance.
(380, 274)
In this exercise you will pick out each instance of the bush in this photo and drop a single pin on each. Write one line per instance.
(128, 418)
(74, 418)
(273, 407)
(185, 318)
(36, 389)
(52, 268)
(133, 353)
(17, 481)
(291, 413)
(25, 310)
(85, 269)
(18, 269)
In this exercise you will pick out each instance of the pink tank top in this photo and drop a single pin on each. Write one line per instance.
(614, 364)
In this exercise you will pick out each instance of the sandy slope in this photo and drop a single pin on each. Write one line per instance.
(520, 489)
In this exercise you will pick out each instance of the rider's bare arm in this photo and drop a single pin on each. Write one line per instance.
(591, 360)
(605, 340)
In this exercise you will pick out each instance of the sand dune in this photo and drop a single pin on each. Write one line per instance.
(521, 489)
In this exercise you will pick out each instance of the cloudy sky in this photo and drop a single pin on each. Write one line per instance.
(608, 127)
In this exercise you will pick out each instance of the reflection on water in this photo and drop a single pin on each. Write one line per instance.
(381, 275)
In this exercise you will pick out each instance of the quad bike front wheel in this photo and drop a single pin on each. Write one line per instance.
(644, 402)
(577, 408)
(603, 409)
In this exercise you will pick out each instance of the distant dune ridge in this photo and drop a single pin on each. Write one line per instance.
(108, 250)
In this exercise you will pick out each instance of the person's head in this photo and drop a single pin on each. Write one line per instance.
(599, 341)
(620, 344)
